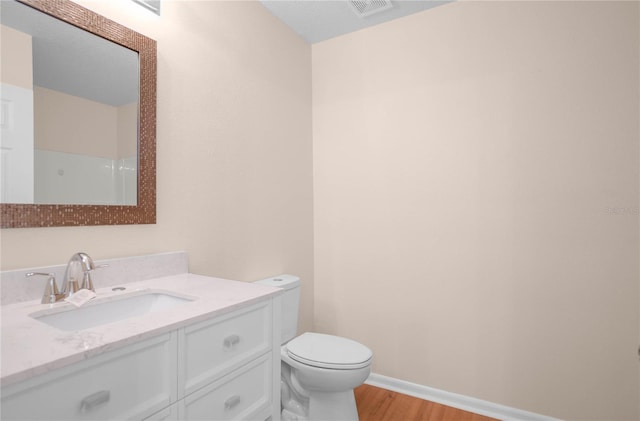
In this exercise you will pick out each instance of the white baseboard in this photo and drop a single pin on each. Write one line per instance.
(466, 403)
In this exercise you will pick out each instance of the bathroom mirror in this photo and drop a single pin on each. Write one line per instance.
(119, 142)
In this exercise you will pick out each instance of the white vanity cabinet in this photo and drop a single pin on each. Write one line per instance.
(222, 368)
(129, 383)
(225, 365)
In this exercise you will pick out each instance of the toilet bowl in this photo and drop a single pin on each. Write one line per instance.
(318, 371)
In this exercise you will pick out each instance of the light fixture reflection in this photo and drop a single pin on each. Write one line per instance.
(153, 5)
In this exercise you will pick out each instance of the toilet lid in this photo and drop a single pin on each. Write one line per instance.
(328, 351)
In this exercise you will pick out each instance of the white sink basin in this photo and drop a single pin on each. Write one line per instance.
(109, 310)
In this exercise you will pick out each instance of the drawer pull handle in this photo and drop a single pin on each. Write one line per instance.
(90, 402)
(232, 402)
(231, 341)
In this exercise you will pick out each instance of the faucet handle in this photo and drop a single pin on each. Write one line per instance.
(30, 274)
(51, 292)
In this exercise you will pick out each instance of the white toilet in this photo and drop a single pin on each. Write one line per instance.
(319, 372)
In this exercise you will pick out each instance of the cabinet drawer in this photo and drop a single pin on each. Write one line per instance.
(239, 396)
(213, 348)
(129, 383)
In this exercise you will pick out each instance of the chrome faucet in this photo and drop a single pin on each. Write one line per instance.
(78, 270)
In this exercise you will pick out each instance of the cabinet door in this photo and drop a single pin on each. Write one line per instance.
(213, 348)
(130, 383)
(241, 395)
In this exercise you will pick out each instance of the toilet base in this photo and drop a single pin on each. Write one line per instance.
(314, 405)
(326, 407)
(340, 406)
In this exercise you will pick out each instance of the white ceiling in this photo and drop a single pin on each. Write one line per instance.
(319, 20)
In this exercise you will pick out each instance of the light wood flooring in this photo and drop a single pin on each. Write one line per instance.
(376, 404)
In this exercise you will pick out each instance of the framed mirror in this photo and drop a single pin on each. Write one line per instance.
(89, 142)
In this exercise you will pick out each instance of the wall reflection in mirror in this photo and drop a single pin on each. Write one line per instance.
(69, 113)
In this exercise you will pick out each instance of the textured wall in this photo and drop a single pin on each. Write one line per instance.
(476, 201)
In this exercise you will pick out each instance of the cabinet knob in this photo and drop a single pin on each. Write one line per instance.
(90, 402)
(231, 341)
(231, 402)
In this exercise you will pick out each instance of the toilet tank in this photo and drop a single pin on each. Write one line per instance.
(290, 302)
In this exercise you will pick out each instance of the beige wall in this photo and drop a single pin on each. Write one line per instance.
(67, 123)
(16, 65)
(476, 201)
(234, 149)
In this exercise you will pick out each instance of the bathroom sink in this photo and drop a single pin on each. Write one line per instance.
(109, 310)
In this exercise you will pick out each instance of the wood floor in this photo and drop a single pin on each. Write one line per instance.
(375, 404)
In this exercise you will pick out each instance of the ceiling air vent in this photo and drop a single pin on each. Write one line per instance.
(364, 8)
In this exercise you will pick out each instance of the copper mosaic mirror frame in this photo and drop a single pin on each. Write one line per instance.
(28, 215)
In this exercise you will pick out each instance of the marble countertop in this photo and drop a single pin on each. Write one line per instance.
(30, 347)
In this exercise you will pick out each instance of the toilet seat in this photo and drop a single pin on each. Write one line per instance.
(329, 351)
